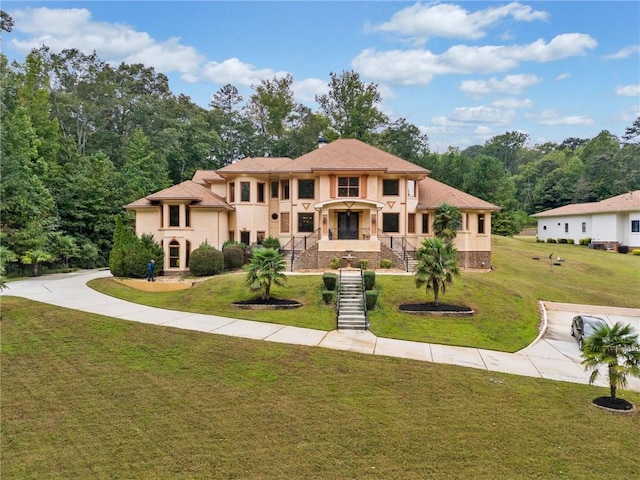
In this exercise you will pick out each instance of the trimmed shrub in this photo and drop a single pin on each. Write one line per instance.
(385, 263)
(233, 256)
(363, 264)
(551, 240)
(335, 263)
(131, 254)
(330, 280)
(271, 242)
(571, 241)
(623, 248)
(539, 240)
(584, 241)
(369, 279)
(635, 251)
(371, 297)
(206, 260)
(562, 240)
(327, 296)
(233, 243)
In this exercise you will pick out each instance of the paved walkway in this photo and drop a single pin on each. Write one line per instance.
(551, 356)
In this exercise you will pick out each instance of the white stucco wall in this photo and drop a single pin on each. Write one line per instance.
(554, 227)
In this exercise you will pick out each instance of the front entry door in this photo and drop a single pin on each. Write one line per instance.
(348, 223)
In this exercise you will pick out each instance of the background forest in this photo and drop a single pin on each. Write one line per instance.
(82, 138)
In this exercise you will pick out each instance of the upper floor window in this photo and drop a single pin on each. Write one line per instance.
(260, 192)
(411, 188)
(174, 215)
(390, 187)
(274, 189)
(232, 192)
(305, 189)
(245, 192)
(635, 226)
(425, 223)
(187, 216)
(348, 186)
(284, 190)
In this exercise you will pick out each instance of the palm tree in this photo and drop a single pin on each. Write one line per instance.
(437, 265)
(446, 222)
(264, 270)
(35, 257)
(616, 347)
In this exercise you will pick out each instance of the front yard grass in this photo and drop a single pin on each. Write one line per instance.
(505, 300)
(85, 396)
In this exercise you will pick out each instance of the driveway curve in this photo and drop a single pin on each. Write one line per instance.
(554, 355)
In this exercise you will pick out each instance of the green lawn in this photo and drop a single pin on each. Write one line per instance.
(504, 300)
(89, 397)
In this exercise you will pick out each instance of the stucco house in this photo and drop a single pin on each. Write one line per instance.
(610, 222)
(343, 199)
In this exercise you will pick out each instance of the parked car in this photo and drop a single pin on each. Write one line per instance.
(583, 326)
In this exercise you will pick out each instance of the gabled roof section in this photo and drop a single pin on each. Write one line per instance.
(621, 203)
(204, 177)
(351, 154)
(432, 194)
(197, 194)
(255, 165)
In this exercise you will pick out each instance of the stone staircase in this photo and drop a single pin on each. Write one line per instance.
(351, 313)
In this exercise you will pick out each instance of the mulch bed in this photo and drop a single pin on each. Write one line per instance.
(613, 403)
(432, 307)
(272, 304)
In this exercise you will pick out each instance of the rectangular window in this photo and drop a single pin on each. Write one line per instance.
(425, 223)
(411, 227)
(411, 188)
(390, 187)
(174, 254)
(260, 192)
(305, 189)
(348, 186)
(584, 227)
(187, 216)
(232, 192)
(245, 237)
(274, 189)
(245, 192)
(635, 226)
(305, 222)
(174, 215)
(260, 236)
(566, 228)
(284, 184)
(481, 223)
(284, 222)
(391, 222)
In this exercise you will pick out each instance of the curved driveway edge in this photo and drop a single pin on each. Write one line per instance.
(554, 355)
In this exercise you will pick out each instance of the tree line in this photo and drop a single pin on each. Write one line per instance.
(81, 138)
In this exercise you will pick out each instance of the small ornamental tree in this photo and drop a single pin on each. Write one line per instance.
(206, 260)
(618, 349)
(446, 221)
(265, 269)
(437, 265)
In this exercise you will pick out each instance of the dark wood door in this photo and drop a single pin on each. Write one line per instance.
(348, 224)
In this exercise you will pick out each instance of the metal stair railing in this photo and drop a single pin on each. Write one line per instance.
(364, 300)
(301, 244)
(400, 245)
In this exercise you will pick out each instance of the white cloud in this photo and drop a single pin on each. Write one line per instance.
(513, 103)
(453, 21)
(62, 29)
(624, 53)
(513, 84)
(562, 76)
(235, 72)
(552, 118)
(306, 90)
(628, 90)
(482, 114)
(419, 66)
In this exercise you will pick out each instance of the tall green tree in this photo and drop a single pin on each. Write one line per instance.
(265, 270)
(404, 140)
(352, 106)
(506, 148)
(437, 266)
(616, 348)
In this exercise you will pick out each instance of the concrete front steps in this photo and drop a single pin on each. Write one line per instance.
(351, 314)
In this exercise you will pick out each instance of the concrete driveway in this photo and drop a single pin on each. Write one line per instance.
(556, 344)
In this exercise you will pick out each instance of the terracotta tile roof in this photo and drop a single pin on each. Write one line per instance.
(351, 154)
(255, 165)
(621, 203)
(432, 194)
(199, 195)
(206, 176)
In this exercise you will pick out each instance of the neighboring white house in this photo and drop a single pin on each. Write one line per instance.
(614, 221)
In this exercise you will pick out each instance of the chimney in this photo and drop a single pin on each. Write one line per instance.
(322, 142)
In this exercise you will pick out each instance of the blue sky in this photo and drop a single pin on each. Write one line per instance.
(462, 72)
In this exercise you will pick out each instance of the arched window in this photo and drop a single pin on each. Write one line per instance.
(174, 254)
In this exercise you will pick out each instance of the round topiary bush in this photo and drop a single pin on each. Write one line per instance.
(206, 260)
(327, 296)
(369, 279)
(372, 298)
(386, 263)
(233, 257)
(330, 280)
